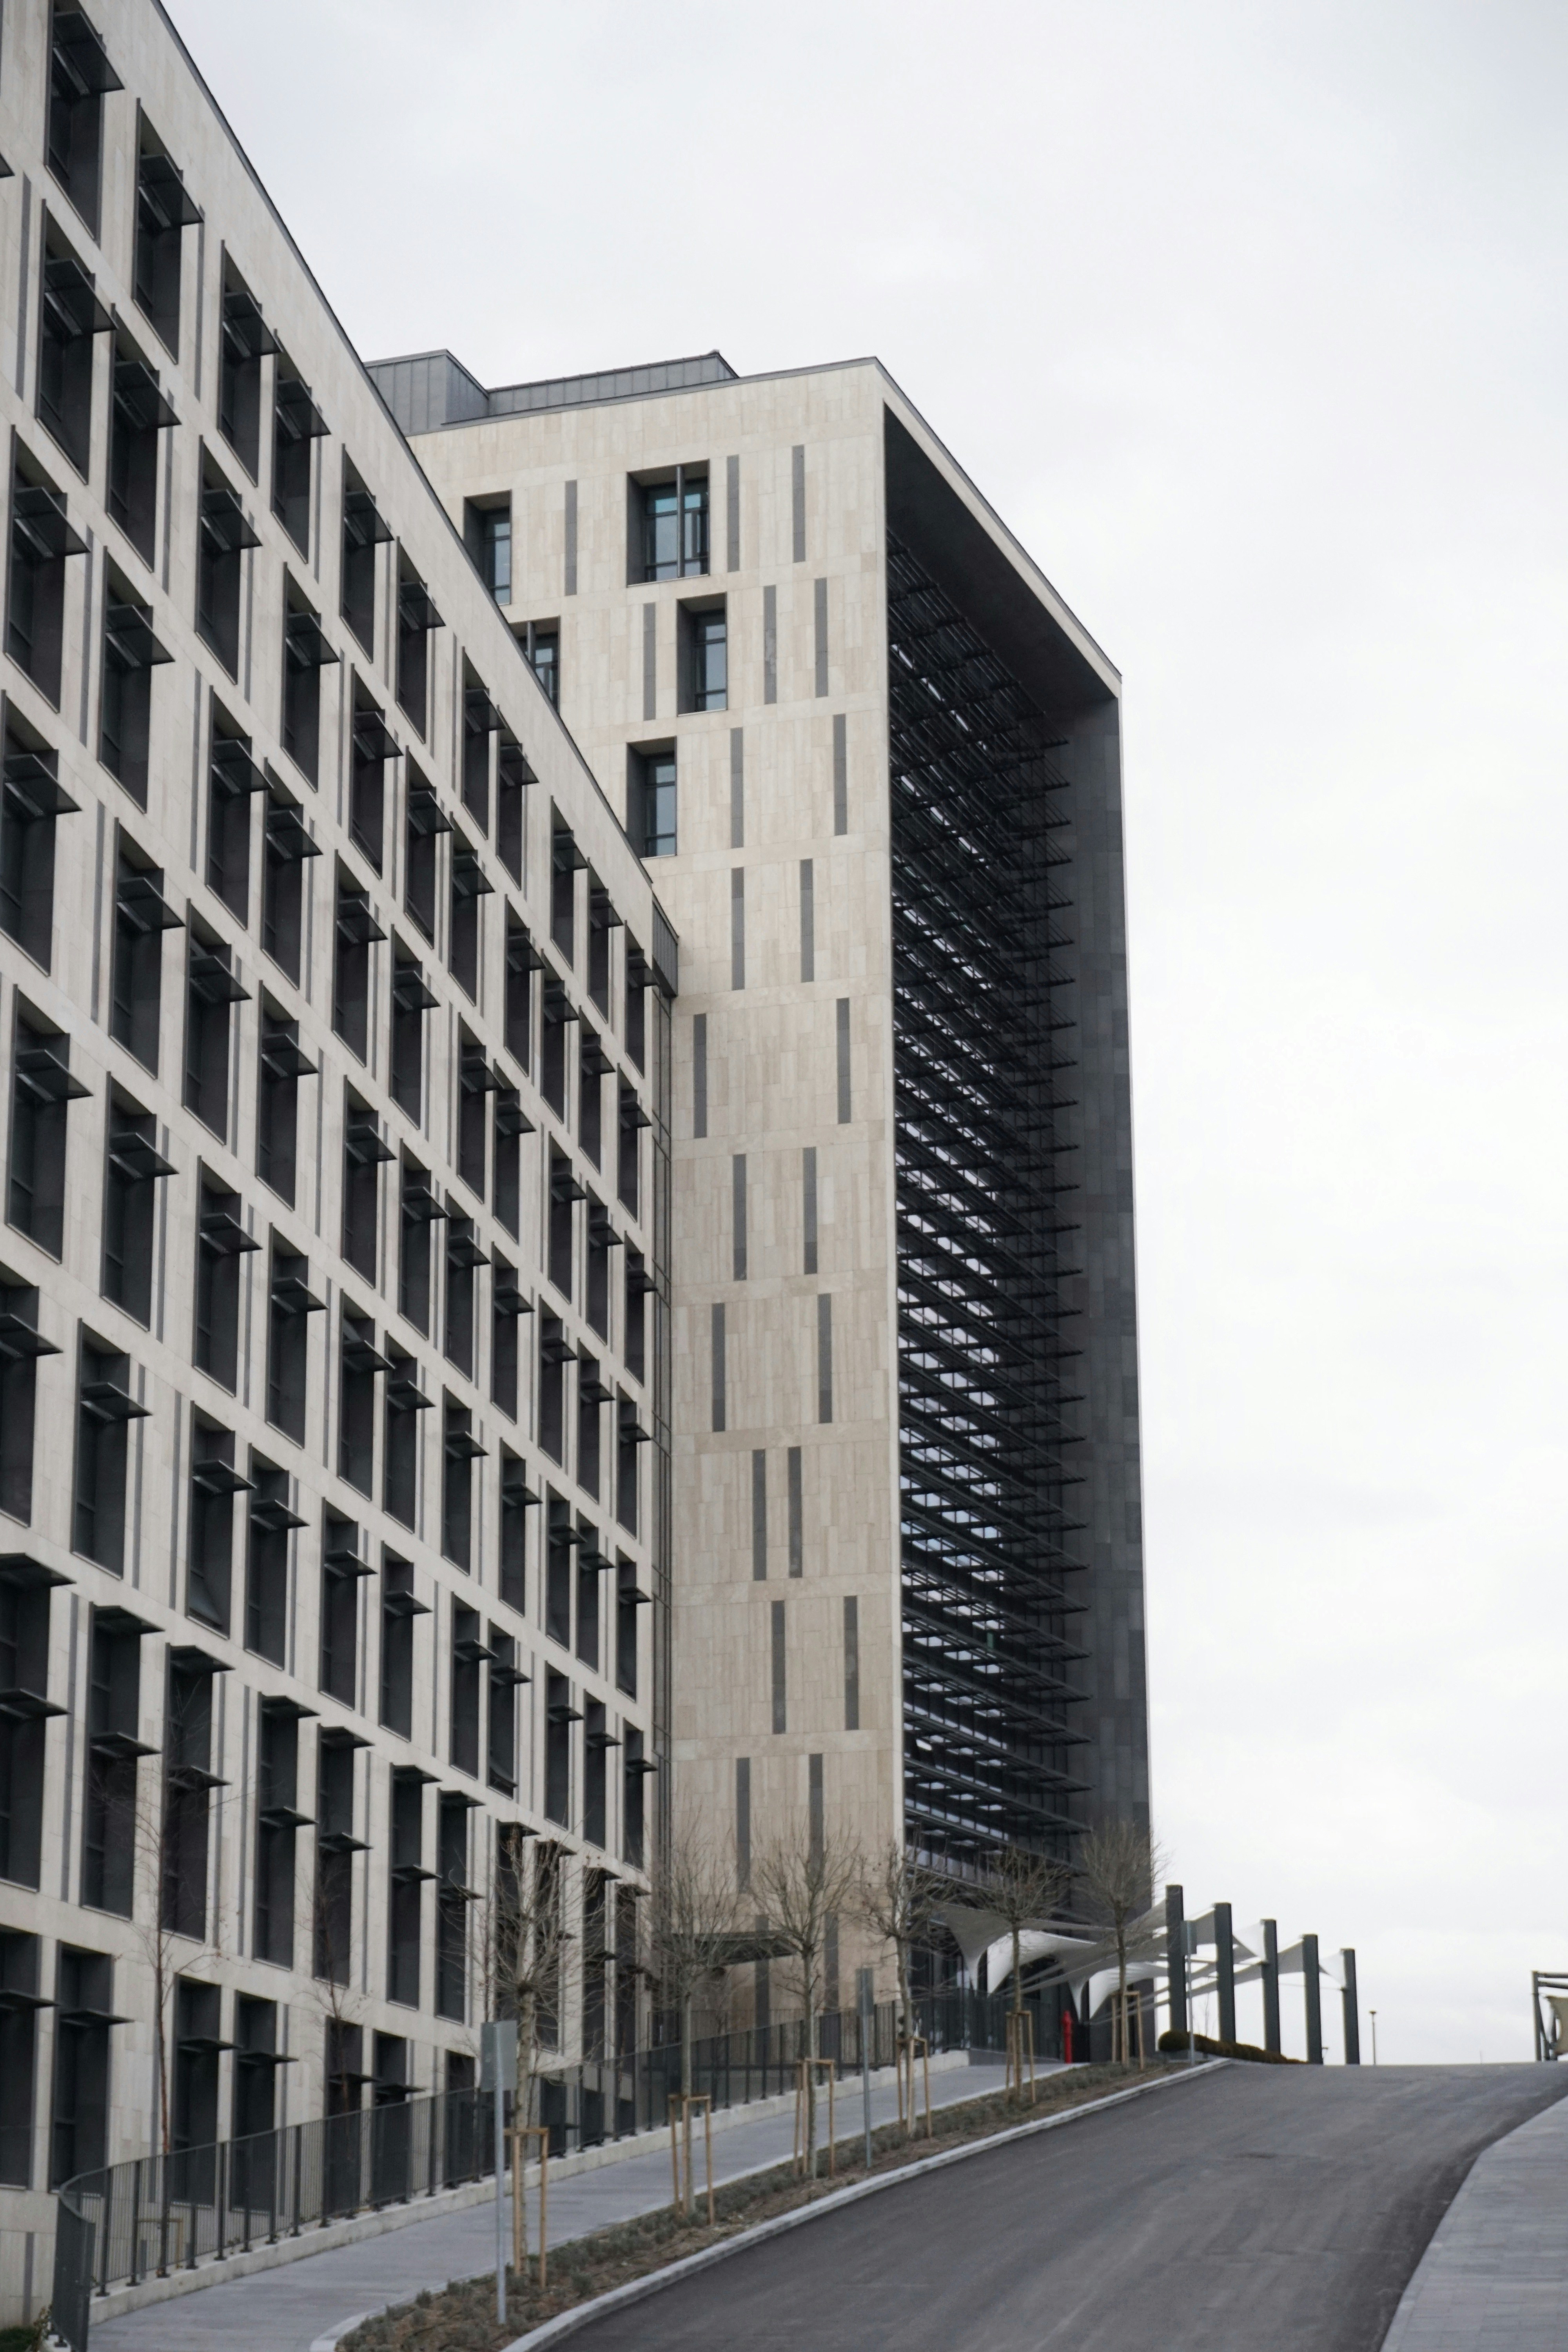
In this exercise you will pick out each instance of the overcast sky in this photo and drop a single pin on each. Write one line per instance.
(1250, 320)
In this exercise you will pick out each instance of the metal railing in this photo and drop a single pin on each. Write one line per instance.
(158, 2214)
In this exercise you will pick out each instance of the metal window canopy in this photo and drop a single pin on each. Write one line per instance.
(38, 520)
(356, 924)
(32, 790)
(373, 737)
(362, 523)
(416, 606)
(232, 769)
(128, 630)
(426, 814)
(509, 1116)
(141, 398)
(70, 303)
(470, 879)
(162, 196)
(223, 524)
(296, 412)
(245, 331)
(286, 837)
(306, 642)
(42, 1073)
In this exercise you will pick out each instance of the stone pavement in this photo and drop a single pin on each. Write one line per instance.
(1495, 2276)
(306, 2304)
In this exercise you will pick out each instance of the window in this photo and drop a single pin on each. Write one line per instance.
(163, 211)
(281, 1067)
(336, 1846)
(398, 1611)
(469, 885)
(416, 616)
(70, 317)
(244, 342)
(110, 1833)
(232, 778)
(211, 992)
(542, 644)
(487, 527)
(363, 532)
(286, 845)
(373, 745)
(564, 1193)
(41, 1089)
(141, 916)
(505, 1676)
(408, 1874)
(84, 2019)
(634, 1346)
(188, 1783)
(132, 1170)
(591, 1563)
(522, 960)
(400, 1458)
(597, 1741)
(267, 1562)
(595, 1065)
(197, 2040)
(42, 542)
(341, 1568)
(669, 526)
(602, 1239)
(638, 980)
(558, 1011)
(20, 1349)
(469, 1654)
(481, 720)
(476, 1082)
(650, 803)
(510, 1126)
(459, 1450)
(411, 1000)
(131, 654)
(297, 425)
(289, 1301)
(516, 1498)
(420, 1211)
(566, 862)
(629, 1435)
(307, 651)
(104, 1406)
(255, 2106)
(223, 537)
(425, 820)
(25, 1711)
(214, 1482)
(222, 1241)
(137, 413)
(513, 776)
(277, 1823)
(632, 1119)
(508, 1303)
(635, 1770)
(629, 1600)
(30, 800)
(356, 931)
(591, 1394)
(562, 1539)
(704, 655)
(363, 1152)
(362, 1359)
(453, 1896)
(81, 76)
(555, 1352)
(602, 920)
(560, 1715)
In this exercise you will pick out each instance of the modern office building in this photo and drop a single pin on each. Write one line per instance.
(476, 1377)
(872, 761)
(303, 891)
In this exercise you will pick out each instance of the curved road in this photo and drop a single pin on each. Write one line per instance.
(1258, 2209)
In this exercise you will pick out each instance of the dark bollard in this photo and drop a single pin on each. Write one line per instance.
(1314, 2000)
(1271, 1986)
(1224, 1971)
(1177, 1958)
(1352, 2009)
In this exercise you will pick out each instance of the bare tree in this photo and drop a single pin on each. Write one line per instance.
(525, 1942)
(898, 1900)
(1023, 1888)
(1118, 1865)
(692, 1919)
(804, 1881)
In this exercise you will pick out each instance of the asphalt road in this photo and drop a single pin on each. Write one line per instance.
(1258, 2210)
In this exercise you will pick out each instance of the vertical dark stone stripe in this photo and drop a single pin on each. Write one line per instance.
(820, 606)
(732, 513)
(797, 499)
(743, 1822)
(807, 921)
(759, 1515)
(699, 1074)
(737, 788)
(738, 926)
(717, 1339)
(571, 584)
(796, 1544)
(779, 1696)
(840, 773)
(769, 645)
(814, 1806)
(737, 1212)
(842, 1027)
(808, 1209)
(825, 1358)
(851, 1663)
(649, 661)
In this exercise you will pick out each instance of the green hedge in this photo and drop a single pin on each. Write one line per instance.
(1177, 2045)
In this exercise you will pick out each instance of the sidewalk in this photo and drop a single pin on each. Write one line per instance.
(1495, 2276)
(304, 2304)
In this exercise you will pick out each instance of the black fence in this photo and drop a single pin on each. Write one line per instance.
(159, 2214)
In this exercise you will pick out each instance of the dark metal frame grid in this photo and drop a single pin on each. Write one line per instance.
(982, 1021)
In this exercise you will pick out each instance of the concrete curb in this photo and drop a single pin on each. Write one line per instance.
(636, 2290)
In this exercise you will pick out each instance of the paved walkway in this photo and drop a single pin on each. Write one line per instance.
(1495, 2276)
(293, 2307)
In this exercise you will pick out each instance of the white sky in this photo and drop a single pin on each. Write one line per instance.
(1250, 320)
